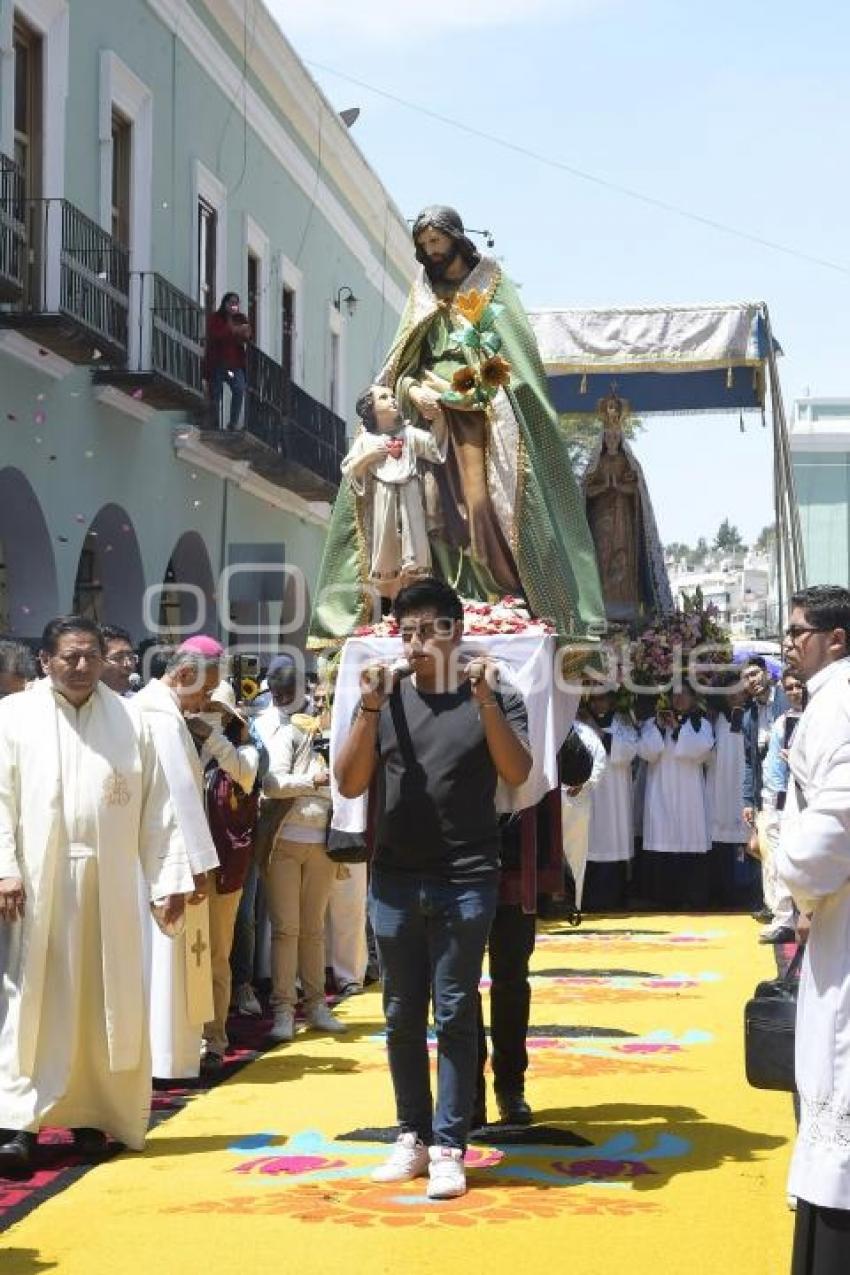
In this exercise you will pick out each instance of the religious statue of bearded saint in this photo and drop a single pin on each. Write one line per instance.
(619, 511)
(504, 513)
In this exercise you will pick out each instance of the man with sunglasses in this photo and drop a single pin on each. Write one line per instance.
(813, 859)
(438, 740)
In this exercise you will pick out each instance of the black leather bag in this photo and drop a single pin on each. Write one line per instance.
(770, 1020)
(347, 847)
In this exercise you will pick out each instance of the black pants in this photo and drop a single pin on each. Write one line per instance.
(605, 887)
(721, 874)
(821, 1241)
(676, 882)
(510, 947)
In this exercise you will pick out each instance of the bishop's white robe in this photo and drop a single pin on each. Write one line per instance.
(180, 968)
(674, 820)
(813, 860)
(83, 806)
(611, 837)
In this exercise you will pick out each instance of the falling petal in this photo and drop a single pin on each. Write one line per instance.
(165, 203)
(137, 394)
(38, 440)
(10, 416)
(25, 610)
(80, 517)
(39, 398)
(125, 527)
(196, 504)
(108, 549)
(96, 354)
(88, 455)
(40, 418)
(194, 476)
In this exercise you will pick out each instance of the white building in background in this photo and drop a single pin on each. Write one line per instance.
(820, 458)
(741, 586)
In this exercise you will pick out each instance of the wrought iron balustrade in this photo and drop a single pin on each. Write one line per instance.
(301, 431)
(76, 289)
(13, 246)
(177, 336)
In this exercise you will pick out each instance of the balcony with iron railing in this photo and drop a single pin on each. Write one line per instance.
(166, 363)
(74, 294)
(287, 436)
(13, 248)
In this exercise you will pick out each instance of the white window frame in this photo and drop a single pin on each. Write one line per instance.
(256, 242)
(122, 90)
(51, 20)
(336, 327)
(205, 185)
(292, 278)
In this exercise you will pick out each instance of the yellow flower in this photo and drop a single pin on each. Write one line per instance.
(495, 371)
(471, 305)
(464, 380)
(249, 688)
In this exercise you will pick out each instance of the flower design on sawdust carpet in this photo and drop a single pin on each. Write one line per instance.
(317, 1180)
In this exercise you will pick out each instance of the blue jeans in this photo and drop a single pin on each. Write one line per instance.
(431, 938)
(234, 379)
(245, 932)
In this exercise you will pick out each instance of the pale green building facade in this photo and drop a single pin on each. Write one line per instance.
(820, 455)
(155, 154)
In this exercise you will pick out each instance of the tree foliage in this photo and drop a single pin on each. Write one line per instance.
(728, 538)
(582, 431)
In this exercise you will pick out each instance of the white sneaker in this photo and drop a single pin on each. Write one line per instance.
(323, 1020)
(283, 1027)
(407, 1160)
(246, 1003)
(446, 1178)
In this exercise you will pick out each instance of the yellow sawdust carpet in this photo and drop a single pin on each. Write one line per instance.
(649, 1152)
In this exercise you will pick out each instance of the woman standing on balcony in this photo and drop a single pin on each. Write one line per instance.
(228, 333)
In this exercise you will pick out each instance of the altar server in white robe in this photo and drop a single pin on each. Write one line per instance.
(180, 969)
(83, 807)
(675, 745)
(813, 859)
(724, 783)
(575, 809)
(611, 834)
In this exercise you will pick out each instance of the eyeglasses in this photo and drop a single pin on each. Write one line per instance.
(438, 628)
(795, 631)
(123, 657)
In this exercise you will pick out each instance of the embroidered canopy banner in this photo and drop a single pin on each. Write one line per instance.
(690, 358)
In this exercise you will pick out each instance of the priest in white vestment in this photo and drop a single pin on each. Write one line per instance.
(813, 859)
(675, 744)
(180, 969)
(83, 807)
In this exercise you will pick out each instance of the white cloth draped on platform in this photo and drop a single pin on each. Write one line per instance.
(83, 807)
(528, 662)
(180, 971)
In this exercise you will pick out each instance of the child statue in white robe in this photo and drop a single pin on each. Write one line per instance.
(383, 468)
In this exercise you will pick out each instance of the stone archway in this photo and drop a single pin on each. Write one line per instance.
(29, 592)
(187, 602)
(110, 581)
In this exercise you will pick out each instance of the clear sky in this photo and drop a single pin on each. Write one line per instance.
(735, 111)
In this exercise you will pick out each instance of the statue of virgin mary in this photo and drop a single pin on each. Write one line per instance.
(622, 524)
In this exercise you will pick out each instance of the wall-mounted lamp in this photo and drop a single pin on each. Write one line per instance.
(346, 295)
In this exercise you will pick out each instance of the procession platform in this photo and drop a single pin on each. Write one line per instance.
(649, 1152)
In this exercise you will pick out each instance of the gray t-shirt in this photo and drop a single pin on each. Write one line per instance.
(437, 814)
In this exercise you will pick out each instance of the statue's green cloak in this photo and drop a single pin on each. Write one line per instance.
(530, 478)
